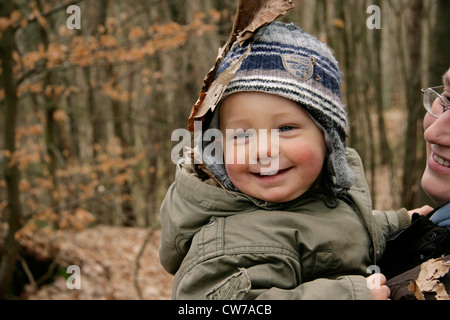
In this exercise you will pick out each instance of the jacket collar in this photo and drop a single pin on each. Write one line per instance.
(441, 216)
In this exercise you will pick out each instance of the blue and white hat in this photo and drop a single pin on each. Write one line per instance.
(287, 61)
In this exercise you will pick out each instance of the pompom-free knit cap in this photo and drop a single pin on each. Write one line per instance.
(287, 61)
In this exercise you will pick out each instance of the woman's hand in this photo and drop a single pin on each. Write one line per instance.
(425, 210)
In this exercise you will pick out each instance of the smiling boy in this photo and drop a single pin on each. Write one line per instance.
(231, 230)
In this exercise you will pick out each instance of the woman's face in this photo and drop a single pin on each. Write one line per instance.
(436, 177)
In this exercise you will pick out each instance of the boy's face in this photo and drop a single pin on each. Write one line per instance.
(298, 148)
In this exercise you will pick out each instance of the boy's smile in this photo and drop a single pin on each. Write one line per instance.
(297, 146)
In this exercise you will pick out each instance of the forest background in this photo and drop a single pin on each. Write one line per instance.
(86, 114)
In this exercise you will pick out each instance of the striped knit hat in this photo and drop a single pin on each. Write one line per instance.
(285, 60)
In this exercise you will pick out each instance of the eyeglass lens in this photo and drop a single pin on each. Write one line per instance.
(434, 107)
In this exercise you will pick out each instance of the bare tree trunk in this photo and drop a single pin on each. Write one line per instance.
(349, 76)
(412, 79)
(93, 108)
(49, 108)
(384, 147)
(129, 218)
(11, 171)
(119, 123)
(98, 127)
(372, 46)
(440, 43)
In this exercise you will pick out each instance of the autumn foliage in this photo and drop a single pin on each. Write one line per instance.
(49, 73)
(91, 109)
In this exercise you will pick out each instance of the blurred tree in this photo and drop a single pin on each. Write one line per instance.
(411, 48)
(10, 250)
(439, 43)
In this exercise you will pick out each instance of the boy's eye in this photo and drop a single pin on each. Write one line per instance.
(242, 136)
(286, 128)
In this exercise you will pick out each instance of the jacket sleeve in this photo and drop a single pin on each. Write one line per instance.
(180, 220)
(220, 279)
(341, 288)
(390, 221)
(270, 274)
(184, 211)
(169, 256)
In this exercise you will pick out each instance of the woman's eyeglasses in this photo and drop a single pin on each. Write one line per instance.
(429, 97)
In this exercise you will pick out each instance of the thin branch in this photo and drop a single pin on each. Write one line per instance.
(27, 271)
(150, 233)
(48, 274)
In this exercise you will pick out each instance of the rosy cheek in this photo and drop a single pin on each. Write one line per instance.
(428, 120)
(234, 171)
(313, 159)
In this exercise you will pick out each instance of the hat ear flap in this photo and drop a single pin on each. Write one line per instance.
(337, 163)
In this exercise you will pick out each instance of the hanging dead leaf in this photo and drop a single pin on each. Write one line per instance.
(428, 280)
(267, 12)
(215, 92)
(250, 15)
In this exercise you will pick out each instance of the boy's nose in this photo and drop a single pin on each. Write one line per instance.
(267, 145)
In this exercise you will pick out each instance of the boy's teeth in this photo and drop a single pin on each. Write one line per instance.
(269, 174)
(441, 161)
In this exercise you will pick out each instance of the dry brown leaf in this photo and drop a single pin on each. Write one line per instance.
(413, 288)
(428, 279)
(268, 11)
(217, 88)
(250, 15)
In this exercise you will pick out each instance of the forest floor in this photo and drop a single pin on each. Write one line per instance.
(107, 259)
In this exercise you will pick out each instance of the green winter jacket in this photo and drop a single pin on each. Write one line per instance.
(227, 245)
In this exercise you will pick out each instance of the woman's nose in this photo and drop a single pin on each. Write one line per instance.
(437, 131)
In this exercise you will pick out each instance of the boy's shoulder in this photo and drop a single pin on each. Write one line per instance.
(355, 163)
